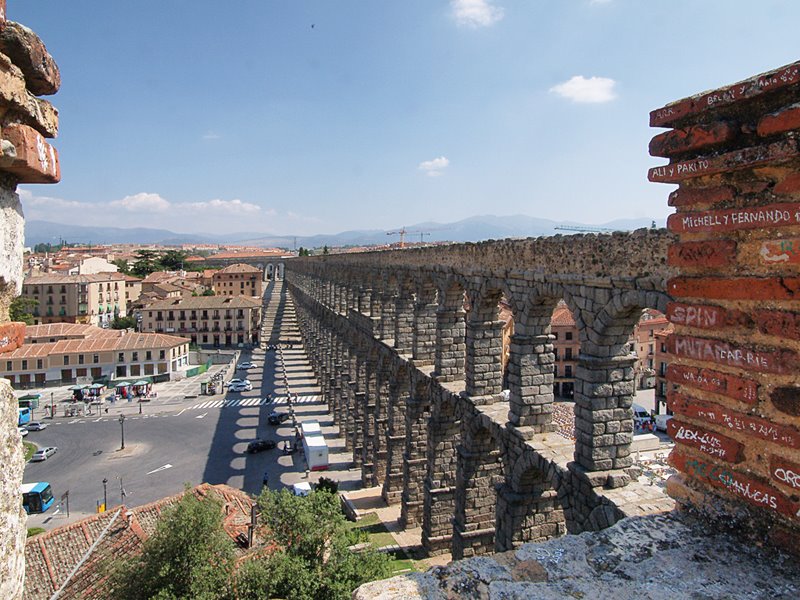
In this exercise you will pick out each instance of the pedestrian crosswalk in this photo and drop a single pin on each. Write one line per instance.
(240, 402)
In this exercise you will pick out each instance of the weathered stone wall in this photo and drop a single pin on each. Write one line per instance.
(26, 72)
(12, 516)
(735, 155)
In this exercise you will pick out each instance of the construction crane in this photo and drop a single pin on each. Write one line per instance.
(402, 233)
(584, 229)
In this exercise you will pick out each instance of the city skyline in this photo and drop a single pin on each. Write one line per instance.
(317, 117)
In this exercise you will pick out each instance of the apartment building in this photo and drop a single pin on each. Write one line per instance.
(59, 353)
(661, 362)
(93, 299)
(567, 347)
(206, 320)
(644, 345)
(238, 280)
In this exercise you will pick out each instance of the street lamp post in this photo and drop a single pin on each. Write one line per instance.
(105, 493)
(122, 430)
(52, 407)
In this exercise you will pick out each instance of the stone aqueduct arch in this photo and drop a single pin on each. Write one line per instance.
(407, 346)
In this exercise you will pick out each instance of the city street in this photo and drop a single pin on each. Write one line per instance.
(189, 440)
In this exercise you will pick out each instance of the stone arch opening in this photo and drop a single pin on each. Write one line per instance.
(605, 391)
(483, 372)
(528, 504)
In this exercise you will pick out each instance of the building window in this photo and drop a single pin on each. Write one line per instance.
(24, 365)
(80, 359)
(555, 353)
(567, 370)
(161, 354)
(148, 355)
(555, 335)
(66, 360)
(555, 370)
(568, 335)
(121, 357)
(39, 364)
(567, 353)
(8, 365)
(95, 358)
(135, 356)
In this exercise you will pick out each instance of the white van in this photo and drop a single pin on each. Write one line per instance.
(301, 489)
(316, 451)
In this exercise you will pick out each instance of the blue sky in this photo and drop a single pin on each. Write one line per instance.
(318, 116)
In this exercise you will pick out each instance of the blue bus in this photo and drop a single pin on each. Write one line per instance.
(36, 497)
(24, 416)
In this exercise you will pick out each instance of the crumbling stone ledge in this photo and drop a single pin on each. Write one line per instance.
(665, 557)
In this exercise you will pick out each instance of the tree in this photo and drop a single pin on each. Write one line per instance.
(188, 556)
(124, 323)
(21, 309)
(172, 260)
(325, 250)
(122, 265)
(208, 292)
(146, 263)
(315, 561)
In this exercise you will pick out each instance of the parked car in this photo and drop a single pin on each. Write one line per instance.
(36, 426)
(276, 418)
(23, 431)
(43, 453)
(245, 365)
(260, 445)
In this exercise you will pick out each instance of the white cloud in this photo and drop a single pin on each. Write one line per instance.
(475, 13)
(233, 206)
(142, 202)
(210, 135)
(154, 211)
(434, 168)
(581, 89)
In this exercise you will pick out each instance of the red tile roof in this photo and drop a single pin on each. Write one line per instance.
(239, 268)
(562, 317)
(50, 557)
(95, 340)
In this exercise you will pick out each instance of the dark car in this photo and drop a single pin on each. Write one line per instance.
(276, 418)
(260, 445)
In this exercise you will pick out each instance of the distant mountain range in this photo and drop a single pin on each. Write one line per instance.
(472, 229)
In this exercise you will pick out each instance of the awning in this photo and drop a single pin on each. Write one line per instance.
(97, 386)
(142, 382)
(77, 387)
(122, 384)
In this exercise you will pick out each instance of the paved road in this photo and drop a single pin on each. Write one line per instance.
(191, 441)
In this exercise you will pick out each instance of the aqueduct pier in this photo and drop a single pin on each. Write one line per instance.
(407, 347)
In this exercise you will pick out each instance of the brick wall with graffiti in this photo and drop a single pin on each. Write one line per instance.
(735, 354)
